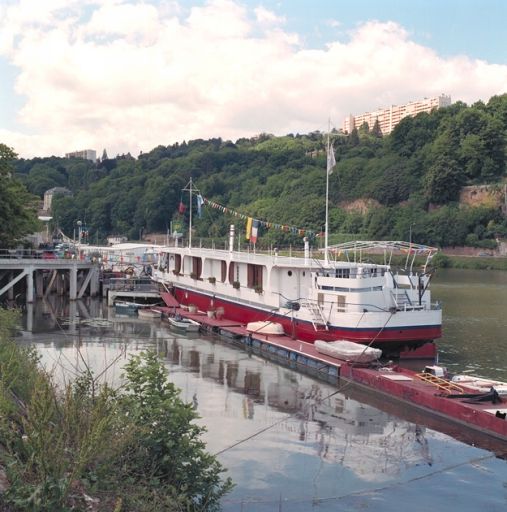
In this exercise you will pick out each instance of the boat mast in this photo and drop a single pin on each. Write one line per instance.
(190, 213)
(188, 187)
(326, 228)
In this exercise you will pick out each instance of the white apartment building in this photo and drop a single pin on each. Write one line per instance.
(87, 154)
(388, 118)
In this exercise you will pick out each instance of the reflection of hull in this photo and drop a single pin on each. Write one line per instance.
(332, 425)
(391, 337)
(126, 308)
(148, 313)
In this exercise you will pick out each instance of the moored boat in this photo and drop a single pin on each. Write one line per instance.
(265, 328)
(348, 351)
(184, 324)
(353, 300)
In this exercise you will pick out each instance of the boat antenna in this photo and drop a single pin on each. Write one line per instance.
(331, 162)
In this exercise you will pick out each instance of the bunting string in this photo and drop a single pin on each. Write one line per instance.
(268, 225)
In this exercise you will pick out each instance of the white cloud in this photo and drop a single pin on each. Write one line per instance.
(129, 76)
(265, 16)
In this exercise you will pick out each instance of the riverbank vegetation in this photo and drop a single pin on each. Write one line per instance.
(89, 447)
(406, 184)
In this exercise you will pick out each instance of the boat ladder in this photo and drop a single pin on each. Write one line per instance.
(318, 321)
(401, 299)
(440, 383)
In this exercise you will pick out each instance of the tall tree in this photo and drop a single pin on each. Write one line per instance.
(376, 131)
(443, 181)
(18, 208)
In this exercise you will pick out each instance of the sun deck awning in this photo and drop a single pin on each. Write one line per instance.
(355, 250)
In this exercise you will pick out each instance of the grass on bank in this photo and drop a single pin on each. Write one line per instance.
(90, 447)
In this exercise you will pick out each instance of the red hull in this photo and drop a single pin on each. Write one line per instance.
(390, 338)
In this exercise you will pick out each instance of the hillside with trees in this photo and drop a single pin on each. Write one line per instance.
(406, 183)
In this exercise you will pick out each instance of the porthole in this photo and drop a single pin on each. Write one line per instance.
(289, 273)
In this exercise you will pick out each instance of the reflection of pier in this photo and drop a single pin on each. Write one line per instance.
(37, 278)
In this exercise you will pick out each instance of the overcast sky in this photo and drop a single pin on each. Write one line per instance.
(130, 75)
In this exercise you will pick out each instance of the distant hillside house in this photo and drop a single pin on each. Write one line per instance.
(388, 118)
(87, 154)
(116, 239)
(52, 192)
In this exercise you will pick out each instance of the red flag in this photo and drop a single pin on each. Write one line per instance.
(255, 231)
(182, 208)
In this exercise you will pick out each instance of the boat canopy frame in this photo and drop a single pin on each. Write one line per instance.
(358, 248)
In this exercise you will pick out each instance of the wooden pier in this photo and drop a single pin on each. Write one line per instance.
(37, 277)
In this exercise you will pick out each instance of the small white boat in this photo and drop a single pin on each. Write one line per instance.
(481, 384)
(265, 328)
(148, 313)
(348, 351)
(185, 324)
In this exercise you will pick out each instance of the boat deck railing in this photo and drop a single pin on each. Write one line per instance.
(132, 284)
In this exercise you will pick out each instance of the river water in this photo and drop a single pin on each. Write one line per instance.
(293, 443)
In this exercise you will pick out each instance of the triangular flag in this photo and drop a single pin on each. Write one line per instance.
(331, 162)
(200, 202)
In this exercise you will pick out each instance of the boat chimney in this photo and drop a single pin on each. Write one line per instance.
(231, 238)
(307, 250)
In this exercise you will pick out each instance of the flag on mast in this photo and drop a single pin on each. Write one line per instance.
(200, 202)
(249, 223)
(331, 162)
(255, 231)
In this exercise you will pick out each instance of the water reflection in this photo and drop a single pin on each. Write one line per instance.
(288, 441)
(475, 321)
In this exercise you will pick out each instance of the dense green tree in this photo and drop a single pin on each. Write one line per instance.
(43, 177)
(376, 131)
(443, 181)
(18, 208)
(354, 137)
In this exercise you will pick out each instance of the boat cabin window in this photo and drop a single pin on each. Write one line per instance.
(340, 303)
(342, 273)
(177, 263)
(232, 276)
(196, 267)
(320, 299)
(254, 276)
(223, 271)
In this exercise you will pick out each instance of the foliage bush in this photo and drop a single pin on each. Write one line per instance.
(89, 447)
(440, 261)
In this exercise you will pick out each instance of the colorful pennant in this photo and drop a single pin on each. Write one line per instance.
(253, 225)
